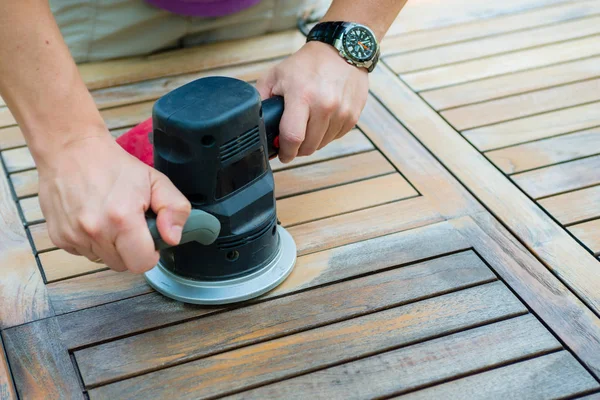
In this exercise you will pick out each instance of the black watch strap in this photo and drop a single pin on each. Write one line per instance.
(326, 32)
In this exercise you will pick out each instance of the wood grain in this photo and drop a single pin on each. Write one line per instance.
(535, 127)
(573, 207)
(495, 65)
(31, 208)
(552, 376)
(514, 83)
(7, 388)
(560, 178)
(424, 38)
(497, 44)
(152, 311)
(285, 316)
(40, 363)
(25, 183)
(418, 365)
(331, 173)
(523, 105)
(545, 152)
(41, 238)
(58, 264)
(319, 348)
(343, 199)
(589, 234)
(22, 292)
(555, 247)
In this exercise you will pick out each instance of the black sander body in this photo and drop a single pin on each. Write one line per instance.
(213, 138)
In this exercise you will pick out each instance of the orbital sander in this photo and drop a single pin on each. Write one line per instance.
(213, 138)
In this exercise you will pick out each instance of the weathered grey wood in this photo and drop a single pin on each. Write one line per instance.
(589, 234)
(421, 364)
(40, 362)
(573, 207)
(319, 348)
(553, 376)
(560, 178)
(284, 316)
(153, 311)
(7, 388)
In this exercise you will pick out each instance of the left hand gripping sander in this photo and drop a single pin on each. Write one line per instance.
(213, 139)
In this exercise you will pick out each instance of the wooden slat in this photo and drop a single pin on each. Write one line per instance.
(553, 376)
(589, 234)
(546, 152)
(58, 264)
(7, 389)
(25, 183)
(418, 365)
(549, 241)
(352, 143)
(343, 199)
(95, 289)
(496, 65)
(523, 105)
(22, 292)
(318, 348)
(489, 46)
(269, 320)
(535, 127)
(511, 84)
(570, 320)
(153, 311)
(560, 178)
(99, 288)
(573, 207)
(40, 363)
(11, 137)
(32, 210)
(331, 173)
(18, 159)
(6, 117)
(135, 69)
(485, 27)
(41, 238)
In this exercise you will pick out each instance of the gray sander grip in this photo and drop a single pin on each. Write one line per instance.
(200, 227)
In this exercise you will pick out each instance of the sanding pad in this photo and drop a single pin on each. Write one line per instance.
(231, 290)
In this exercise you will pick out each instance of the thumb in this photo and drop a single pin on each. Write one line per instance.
(265, 84)
(171, 207)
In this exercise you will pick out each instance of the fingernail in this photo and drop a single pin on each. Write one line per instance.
(176, 231)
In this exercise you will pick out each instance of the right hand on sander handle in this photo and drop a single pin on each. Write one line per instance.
(200, 227)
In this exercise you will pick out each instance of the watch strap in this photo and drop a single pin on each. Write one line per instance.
(327, 32)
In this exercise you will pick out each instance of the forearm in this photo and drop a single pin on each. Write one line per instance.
(376, 14)
(40, 81)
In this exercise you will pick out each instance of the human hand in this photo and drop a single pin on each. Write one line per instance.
(323, 94)
(94, 196)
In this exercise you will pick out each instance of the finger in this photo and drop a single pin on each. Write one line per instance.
(172, 208)
(316, 129)
(336, 124)
(264, 85)
(135, 246)
(109, 255)
(292, 128)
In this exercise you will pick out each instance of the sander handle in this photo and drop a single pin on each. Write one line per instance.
(272, 112)
(200, 227)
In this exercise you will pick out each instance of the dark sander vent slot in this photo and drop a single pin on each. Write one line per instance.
(228, 244)
(239, 144)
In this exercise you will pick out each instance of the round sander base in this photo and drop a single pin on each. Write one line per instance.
(229, 290)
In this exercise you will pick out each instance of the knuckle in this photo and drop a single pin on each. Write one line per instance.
(329, 104)
(90, 224)
(117, 216)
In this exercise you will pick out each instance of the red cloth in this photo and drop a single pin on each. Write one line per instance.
(136, 142)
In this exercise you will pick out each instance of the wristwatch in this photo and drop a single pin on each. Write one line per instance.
(356, 43)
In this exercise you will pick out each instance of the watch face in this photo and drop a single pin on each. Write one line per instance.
(360, 44)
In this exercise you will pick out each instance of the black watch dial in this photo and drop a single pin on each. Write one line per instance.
(359, 44)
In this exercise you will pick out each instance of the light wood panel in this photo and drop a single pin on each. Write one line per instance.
(514, 83)
(555, 375)
(535, 127)
(523, 105)
(589, 234)
(11, 137)
(560, 178)
(58, 264)
(319, 348)
(343, 199)
(524, 218)
(25, 183)
(40, 236)
(575, 206)
(18, 159)
(261, 322)
(418, 365)
(545, 152)
(489, 46)
(331, 173)
(40, 363)
(152, 311)
(6, 117)
(421, 39)
(7, 389)
(31, 208)
(496, 65)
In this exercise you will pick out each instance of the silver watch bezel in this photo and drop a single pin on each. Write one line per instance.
(339, 45)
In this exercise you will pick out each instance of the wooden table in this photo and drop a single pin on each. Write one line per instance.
(447, 246)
